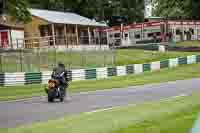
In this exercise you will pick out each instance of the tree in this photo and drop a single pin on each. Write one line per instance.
(48, 4)
(133, 9)
(177, 8)
(18, 9)
(98, 9)
(195, 6)
(101, 10)
(105, 9)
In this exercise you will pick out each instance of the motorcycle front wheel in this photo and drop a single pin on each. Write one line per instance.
(51, 95)
(62, 99)
(50, 99)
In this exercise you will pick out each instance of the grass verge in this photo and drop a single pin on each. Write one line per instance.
(172, 116)
(164, 75)
(131, 56)
(74, 60)
(189, 44)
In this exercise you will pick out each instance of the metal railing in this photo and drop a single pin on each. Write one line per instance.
(49, 41)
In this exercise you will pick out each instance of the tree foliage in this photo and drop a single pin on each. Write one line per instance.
(101, 10)
(177, 8)
(97, 9)
(18, 9)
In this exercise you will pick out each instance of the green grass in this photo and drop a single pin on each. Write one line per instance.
(130, 56)
(123, 57)
(164, 75)
(172, 116)
(74, 60)
(189, 44)
(2, 130)
(178, 121)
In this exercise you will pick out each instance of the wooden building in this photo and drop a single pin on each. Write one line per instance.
(10, 32)
(48, 29)
(53, 28)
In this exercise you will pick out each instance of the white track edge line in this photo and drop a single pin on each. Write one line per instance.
(116, 107)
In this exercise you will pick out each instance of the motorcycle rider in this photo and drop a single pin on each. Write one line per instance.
(60, 74)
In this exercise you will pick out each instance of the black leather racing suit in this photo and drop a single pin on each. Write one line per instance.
(60, 74)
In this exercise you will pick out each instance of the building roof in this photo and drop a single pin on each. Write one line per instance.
(64, 18)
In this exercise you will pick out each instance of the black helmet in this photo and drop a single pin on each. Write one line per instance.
(60, 64)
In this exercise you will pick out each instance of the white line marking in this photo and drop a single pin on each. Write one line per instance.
(100, 110)
(174, 97)
(118, 107)
(182, 95)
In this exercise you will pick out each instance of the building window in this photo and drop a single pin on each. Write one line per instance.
(117, 35)
(44, 30)
(178, 32)
(150, 34)
(137, 36)
(73, 30)
(158, 33)
(191, 31)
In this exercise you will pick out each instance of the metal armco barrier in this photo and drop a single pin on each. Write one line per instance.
(13, 79)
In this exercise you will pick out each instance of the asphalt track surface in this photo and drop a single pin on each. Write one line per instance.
(20, 113)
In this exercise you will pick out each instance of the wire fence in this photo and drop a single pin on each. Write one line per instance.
(37, 54)
(44, 59)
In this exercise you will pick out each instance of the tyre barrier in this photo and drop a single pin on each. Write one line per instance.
(20, 78)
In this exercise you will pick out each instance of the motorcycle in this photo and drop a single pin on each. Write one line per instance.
(54, 91)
